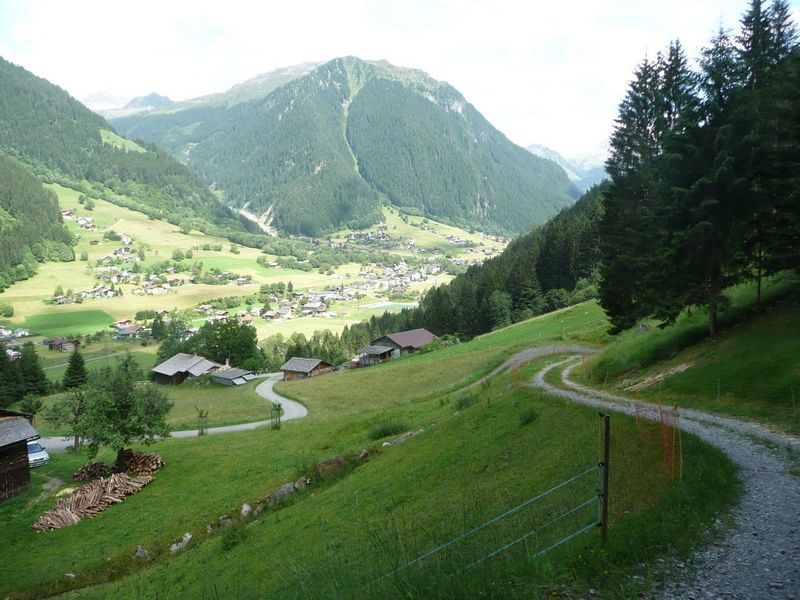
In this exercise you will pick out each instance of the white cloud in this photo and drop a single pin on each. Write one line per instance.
(549, 73)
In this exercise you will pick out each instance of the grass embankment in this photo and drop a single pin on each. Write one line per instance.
(479, 455)
(750, 370)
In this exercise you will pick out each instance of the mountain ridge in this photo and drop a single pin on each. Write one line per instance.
(324, 150)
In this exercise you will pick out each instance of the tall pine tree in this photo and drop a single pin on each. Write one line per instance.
(75, 375)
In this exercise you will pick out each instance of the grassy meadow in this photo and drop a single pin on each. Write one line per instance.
(481, 453)
(750, 370)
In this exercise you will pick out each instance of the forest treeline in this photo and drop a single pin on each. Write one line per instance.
(61, 141)
(705, 173)
(31, 228)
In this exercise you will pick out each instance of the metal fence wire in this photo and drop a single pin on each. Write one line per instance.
(549, 519)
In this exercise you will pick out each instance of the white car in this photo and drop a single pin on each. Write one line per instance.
(37, 456)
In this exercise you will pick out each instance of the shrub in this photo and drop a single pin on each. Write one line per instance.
(465, 400)
(233, 536)
(528, 416)
(386, 429)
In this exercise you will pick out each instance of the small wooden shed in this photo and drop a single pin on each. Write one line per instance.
(300, 368)
(232, 376)
(15, 433)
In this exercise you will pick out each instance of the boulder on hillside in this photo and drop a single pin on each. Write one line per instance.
(331, 466)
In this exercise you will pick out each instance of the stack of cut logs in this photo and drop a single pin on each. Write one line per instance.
(138, 462)
(92, 470)
(90, 501)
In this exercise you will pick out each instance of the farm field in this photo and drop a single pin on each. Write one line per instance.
(479, 444)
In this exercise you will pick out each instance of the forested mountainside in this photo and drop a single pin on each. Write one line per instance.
(322, 151)
(62, 140)
(31, 229)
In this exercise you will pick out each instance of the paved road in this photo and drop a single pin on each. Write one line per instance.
(291, 410)
(761, 557)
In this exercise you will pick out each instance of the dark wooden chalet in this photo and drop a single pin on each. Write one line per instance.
(15, 433)
(373, 355)
(405, 342)
(300, 368)
(180, 367)
(59, 344)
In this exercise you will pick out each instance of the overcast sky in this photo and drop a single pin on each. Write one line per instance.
(542, 72)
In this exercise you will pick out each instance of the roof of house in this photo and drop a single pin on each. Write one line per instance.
(415, 338)
(302, 365)
(373, 350)
(185, 363)
(15, 427)
(231, 374)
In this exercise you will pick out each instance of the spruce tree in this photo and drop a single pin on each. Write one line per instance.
(33, 378)
(10, 388)
(627, 227)
(75, 375)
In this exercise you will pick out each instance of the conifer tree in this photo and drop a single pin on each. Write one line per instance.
(32, 375)
(75, 375)
(10, 388)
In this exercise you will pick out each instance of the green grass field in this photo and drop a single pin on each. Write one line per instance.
(472, 462)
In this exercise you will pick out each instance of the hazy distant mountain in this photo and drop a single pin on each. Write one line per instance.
(148, 102)
(100, 101)
(327, 146)
(583, 170)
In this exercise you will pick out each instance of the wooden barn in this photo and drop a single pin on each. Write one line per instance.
(300, 368)
(372, 355)
(405, 342)
(15, 433)
(59, 344)
(180, 367)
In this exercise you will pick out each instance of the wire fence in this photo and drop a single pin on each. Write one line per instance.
(548, 519)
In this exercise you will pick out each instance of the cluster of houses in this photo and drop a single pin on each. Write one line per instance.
(82, 222)
(125, 254)
(9, 343)
(396, 278)
(387, 347)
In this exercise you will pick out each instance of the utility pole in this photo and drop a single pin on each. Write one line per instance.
(604, 466)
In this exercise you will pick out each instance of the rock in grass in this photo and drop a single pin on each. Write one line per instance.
(364, 454)
(281, 494)
(301, 483)
(142, 554)
(246, 510)
(181, 544)
(331, 466)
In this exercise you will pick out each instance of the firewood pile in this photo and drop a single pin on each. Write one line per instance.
(90, 500)
(92, 470)
(138, 462)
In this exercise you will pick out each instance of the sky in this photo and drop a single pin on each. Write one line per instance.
(549, 73)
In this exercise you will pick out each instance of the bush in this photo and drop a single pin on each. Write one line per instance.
(465, 400)
(233, 537)
(386, 429)
(528, 416)
(6, 310)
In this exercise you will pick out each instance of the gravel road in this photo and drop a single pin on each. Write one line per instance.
(760, 558)
(291, 410)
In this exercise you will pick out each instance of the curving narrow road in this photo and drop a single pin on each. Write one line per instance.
(291, 410)
(761, 557)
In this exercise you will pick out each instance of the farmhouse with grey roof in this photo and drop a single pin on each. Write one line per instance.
(177, 369)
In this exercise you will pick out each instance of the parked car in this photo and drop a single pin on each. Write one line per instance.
(37, 455)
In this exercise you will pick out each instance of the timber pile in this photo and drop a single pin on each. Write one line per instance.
(139, 462)
(90, 500)
(92, 470)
